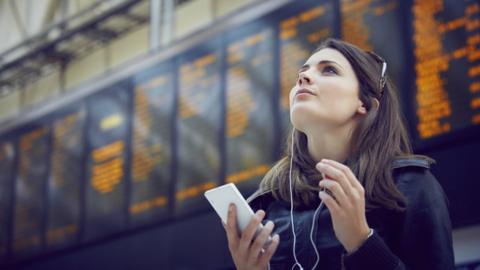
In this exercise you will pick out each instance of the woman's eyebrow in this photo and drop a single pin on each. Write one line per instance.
(323, 62)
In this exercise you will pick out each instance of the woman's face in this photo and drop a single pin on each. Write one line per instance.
(326, 94)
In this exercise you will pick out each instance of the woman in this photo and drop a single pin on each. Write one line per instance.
(349, 151)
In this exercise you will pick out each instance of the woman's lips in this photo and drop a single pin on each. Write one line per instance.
(304, 92)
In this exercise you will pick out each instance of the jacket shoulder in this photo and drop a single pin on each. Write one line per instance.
(411, 162)
(416, 182)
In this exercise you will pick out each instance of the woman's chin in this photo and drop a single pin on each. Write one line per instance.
(301, 117)
(302, 108)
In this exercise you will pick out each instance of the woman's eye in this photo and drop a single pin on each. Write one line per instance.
(329, 70)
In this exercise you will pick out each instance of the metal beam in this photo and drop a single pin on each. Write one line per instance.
(155, 23)
(168, 19)
(50, 13)
(18, 20)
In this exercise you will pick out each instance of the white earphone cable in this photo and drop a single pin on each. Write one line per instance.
(291, 211)
(293, 224)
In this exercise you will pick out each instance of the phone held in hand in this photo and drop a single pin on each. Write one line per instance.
(221, 197)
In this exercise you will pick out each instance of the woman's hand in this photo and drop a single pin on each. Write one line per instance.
(347, 206)
(247, 252)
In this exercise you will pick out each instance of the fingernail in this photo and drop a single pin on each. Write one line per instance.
(276, 237)
(269, 224)
(230, 207)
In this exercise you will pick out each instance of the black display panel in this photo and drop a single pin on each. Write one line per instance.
(379, 26)
(31, 176)
(446, 51)
(66, 177)
(152, 144)
(107, 137)
(199, 119)
(302, 26)
(249, 91)
(7, 167)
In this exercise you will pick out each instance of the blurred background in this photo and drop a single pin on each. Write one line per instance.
(116, 116)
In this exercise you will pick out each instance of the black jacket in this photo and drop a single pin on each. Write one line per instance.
(418, 238)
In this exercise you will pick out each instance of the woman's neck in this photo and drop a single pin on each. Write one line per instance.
(330, 145)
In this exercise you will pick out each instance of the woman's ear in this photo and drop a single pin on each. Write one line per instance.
(362, 109)
(376, 104)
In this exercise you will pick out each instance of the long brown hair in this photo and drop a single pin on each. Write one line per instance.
(379, 139)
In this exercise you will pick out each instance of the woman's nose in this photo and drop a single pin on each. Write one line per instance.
(303, 79)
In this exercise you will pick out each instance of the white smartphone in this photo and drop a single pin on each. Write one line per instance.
(221, 197)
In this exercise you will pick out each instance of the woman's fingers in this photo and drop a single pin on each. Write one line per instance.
(247, 248)
(337, 192)
(249, 232)
(231, 228)
(261, 239)
(330, 202)
(346, 170)
(337, 175)
(267, 255)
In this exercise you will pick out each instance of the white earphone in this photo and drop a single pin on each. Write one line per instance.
(291, 218)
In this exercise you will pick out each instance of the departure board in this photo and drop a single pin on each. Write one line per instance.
(250, 114)
(107, 133)
(152, 144)
(198, 124)
(446, 49)
(377, 25)
(66, 177)
(302, 26)
(32, 171)
(7, 167)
